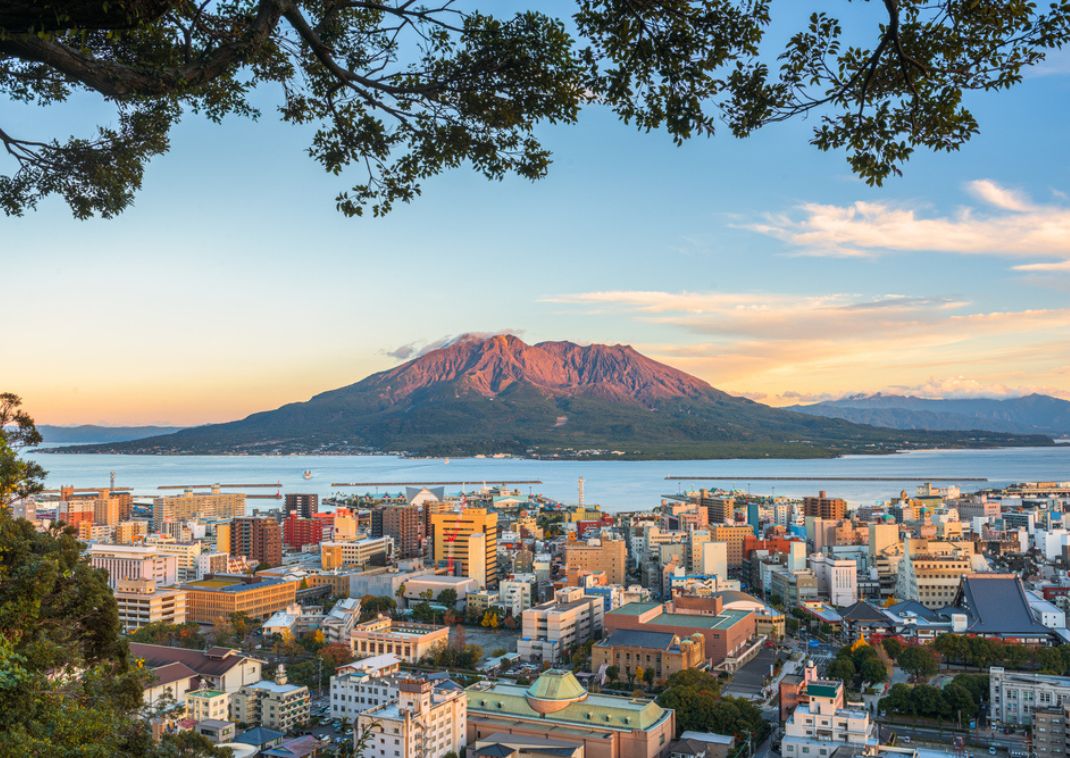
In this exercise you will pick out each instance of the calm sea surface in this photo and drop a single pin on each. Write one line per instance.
(616, 485)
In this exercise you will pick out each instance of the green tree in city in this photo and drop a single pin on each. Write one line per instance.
(372, 605)
(397, 91)
(448, 597)
(68, 685)
(843, 668)
(919, 661)
(19, 478)
(893, 647)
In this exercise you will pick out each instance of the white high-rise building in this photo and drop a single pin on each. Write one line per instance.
(131, 562)
(426, 721)
(824, 723)
(837, 579)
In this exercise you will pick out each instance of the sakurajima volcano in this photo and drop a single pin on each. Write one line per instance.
(552, 399)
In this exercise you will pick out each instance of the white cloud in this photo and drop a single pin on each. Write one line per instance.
(790, 348)
(1011, 226)
(420, 347)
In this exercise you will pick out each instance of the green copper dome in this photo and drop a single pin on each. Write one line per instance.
(553, 690)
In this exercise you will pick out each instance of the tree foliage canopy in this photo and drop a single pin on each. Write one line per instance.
(67, 684)
(400, 90)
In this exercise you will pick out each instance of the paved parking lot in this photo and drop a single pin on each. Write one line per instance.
(748, 681)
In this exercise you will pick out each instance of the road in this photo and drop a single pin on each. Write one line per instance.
(981, 738)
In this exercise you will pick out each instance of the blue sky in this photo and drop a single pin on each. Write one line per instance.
(233, 285)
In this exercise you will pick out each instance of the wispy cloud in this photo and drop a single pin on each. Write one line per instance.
(819, 346)
(418, 348)
(1007, 223)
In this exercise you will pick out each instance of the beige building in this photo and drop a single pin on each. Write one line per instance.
(186, 554)
(208, 704)
(408, 641)
(275, 705)
(735, 536)
(129, 532)
(467, 539)
(931, 572)
(190, 505)
(553, 628)
(610, 556)
(636, 652)
(141, 602)
(425, 722)
(356, 553)
(218, 597)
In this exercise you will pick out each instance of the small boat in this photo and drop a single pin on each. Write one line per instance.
(446, 461)
(308, 473)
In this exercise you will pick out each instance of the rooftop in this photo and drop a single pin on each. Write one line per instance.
(596, 710)
(635, 609)
(231, 584)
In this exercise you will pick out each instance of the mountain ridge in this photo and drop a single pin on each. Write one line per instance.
(552, 399)
(1029, 414)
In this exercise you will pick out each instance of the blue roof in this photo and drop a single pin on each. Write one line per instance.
(259, 735)
(996, 604)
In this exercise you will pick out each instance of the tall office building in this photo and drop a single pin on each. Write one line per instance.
(257, 538)
(304, 505)
(469, 540)
(825, 507)
(190, 505)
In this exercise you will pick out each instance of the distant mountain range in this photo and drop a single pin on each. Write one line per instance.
(500, 395)
(94, 433)
(1032, 414)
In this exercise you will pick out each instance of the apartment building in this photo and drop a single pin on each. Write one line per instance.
(133, 562)
(207, 703)
(402, 523)
(735, 536)
(129, 532)
(186, 553)
(274, 705)
(608, 555)
(409, 641)
(467, 540)
(298, 531)
(426, 721)
(190, 505)
(305, 505)
(825, 507)
(515, 593)
(257, 538)
(364, 684)
(141, 603)
(824, 723)
(218, 597)
(1050, 727)
(370, 551)
(551, 629)
(219, 668)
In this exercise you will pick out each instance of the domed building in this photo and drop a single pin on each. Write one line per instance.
(557, 707)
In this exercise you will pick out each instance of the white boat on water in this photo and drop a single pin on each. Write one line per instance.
(308, 473)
